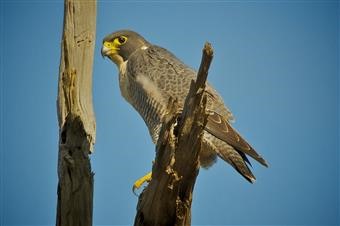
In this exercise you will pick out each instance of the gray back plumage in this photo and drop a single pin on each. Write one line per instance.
(158, 72)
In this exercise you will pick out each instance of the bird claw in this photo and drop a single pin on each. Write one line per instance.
(138, 183)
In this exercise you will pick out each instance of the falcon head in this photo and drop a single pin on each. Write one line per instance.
(119, 45)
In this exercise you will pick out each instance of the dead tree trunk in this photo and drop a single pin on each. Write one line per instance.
(75, 114)
(167, 199)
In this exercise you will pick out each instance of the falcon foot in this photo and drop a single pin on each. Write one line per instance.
(138, 183)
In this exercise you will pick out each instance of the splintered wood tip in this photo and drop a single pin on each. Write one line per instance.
(208, 49)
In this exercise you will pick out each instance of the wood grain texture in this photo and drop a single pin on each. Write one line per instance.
(75, 114)
(168, 197)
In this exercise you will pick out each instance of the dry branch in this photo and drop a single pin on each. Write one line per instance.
(167, 199)
(75, 114)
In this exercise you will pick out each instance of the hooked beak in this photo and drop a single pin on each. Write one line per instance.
(105, 51)
(109, 49)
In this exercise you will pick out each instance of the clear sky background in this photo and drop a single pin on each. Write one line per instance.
(276, 65)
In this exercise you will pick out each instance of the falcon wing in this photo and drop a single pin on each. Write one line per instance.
(221, 129)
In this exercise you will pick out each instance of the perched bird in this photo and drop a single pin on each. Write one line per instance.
(149, 75)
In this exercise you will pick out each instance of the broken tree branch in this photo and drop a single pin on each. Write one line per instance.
(75, 114)
(167, 199)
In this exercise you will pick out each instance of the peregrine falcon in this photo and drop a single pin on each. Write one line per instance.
(149, 75)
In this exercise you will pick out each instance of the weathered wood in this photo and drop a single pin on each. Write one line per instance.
(75, 114)
(167, 199)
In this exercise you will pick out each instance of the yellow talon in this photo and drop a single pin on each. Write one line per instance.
(138, 183)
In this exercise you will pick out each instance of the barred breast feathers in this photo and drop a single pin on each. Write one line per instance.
(143, 94)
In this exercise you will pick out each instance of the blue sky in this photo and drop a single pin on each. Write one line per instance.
(276, 65)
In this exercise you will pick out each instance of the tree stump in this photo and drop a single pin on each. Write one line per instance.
(75, 114)
(167, 199)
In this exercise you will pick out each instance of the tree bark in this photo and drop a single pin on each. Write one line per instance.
(75, 114)
(167, 199)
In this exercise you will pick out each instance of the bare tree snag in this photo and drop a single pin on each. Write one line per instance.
(75, 114)
(167, 199)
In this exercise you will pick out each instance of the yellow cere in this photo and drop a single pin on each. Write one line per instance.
(108, 44)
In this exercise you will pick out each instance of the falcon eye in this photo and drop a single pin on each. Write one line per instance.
(121, 39)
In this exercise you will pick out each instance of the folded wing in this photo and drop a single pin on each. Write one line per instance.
(221, 129)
